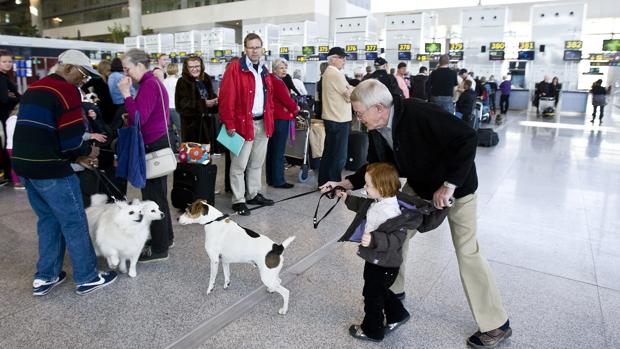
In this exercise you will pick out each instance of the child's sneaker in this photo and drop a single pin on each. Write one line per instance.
(102, 280)
(42, 287)
(18, 186)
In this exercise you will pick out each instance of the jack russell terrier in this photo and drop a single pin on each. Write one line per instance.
(232, 243)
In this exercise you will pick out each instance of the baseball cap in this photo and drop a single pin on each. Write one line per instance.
(379, 61)
(75, 57)
(338, 51)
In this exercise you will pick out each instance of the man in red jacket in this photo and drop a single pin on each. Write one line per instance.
(246, 108)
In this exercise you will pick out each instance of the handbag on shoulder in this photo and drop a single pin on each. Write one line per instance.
(161, 162)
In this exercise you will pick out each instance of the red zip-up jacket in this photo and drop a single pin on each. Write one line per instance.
(284, 107)
(237, 97)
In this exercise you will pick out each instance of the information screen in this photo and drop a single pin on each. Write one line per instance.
(404, 56)
(371, 56)
(496, 55)
(307, 50)
(572, 55)
(526, 55)
(611, 45)
(432, 47)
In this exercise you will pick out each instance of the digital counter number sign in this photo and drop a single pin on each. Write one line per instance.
(497, 46)
(351, 48)
(283, 49)
(323, 49)
(526, 45)
(404, 47)
(370, 48)
(457, 46)
(573, 44)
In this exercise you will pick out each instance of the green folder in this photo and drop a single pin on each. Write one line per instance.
(233, 143)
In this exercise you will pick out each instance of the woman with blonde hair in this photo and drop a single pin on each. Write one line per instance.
(284, 110)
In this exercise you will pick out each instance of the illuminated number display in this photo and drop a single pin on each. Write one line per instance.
(307, 50)
(404, 47)
(351, 48)
(371, 48)
(227, 52)
(182, 54)
(573, 44)
(198, 53)
(283, 49)
(323, 48)
(526, 45)
(215, 60)
(498, 45)
(456, 46)
(422, 57)
(301, 58)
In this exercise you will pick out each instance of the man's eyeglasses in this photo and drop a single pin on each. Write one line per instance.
(193, 67)
(361, 115)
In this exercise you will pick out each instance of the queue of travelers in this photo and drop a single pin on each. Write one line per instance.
(258, 103)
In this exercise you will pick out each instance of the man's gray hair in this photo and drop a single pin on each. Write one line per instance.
(137, 56)
(297, 74)
(278, 62)
(371, 92)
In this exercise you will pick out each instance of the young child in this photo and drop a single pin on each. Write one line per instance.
(382, 226)
(10, 131)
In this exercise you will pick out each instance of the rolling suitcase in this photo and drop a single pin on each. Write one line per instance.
(357, 150)
(192, 182)
(487, 137)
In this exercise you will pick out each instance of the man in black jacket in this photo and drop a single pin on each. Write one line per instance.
(435, 152)
(387, 79)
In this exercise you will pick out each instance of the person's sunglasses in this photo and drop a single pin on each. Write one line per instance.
(85, 76)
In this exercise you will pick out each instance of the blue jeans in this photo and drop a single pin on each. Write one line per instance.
(444, 102)
(62, 223)
(275, 153)
(334, 151)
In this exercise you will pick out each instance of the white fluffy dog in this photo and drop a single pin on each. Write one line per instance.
(120, 229)
(232, 243)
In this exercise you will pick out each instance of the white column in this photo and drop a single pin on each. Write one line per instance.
(135, 17)
(35, 14)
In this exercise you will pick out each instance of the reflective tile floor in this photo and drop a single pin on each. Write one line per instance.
(549, 214)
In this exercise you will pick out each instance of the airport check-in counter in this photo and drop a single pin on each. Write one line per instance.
(519, 99)
(574, 101)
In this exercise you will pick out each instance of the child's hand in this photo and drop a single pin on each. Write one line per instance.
(92, 114)
(341, 194)
(366, 237)
(98, 137)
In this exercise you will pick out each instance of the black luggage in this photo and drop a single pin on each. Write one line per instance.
(487, 137)
(191, 182)
(357, 150)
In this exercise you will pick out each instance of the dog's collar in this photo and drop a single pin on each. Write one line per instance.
(218, 219)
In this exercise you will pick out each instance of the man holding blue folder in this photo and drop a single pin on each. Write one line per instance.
(246, 108)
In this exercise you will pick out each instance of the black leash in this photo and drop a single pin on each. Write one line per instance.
(330, 195)
(103, 178)
(285, 199)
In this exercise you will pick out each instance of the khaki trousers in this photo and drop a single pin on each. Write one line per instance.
(246, 169)
(481, 292)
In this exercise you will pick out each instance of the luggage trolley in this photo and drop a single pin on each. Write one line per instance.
(546, 106)
(297, 154)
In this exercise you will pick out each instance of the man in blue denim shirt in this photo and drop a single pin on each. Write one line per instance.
(48, 138)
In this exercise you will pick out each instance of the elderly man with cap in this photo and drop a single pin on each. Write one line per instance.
(47, 140)
(336, 116)
(386, 78)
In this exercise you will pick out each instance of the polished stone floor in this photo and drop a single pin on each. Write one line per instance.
(549, 214)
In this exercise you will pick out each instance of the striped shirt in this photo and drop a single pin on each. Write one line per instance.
(49, 130)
